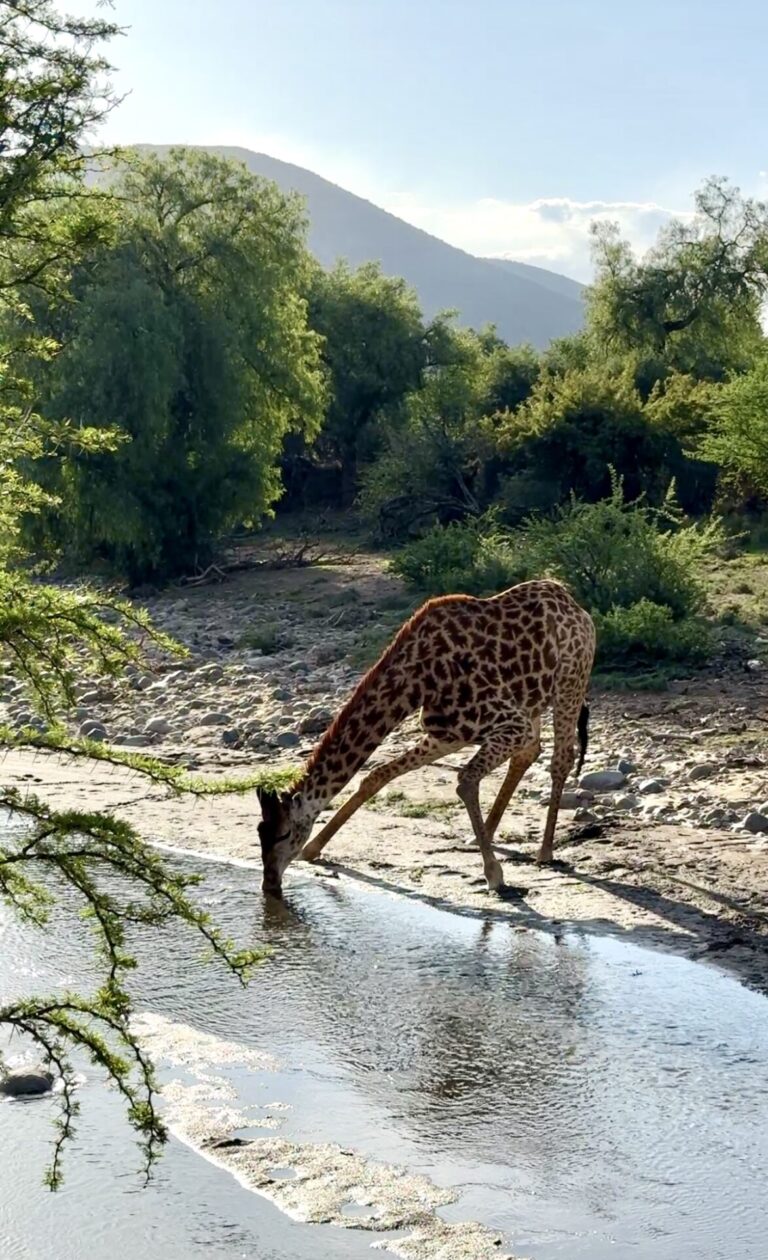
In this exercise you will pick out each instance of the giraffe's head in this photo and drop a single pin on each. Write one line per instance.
(283, 831)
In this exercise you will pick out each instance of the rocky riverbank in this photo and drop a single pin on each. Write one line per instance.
(666, 837)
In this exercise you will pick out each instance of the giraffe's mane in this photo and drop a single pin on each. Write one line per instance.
(374, 673)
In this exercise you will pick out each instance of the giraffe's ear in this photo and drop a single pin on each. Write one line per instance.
(273, 804)
(268, 802)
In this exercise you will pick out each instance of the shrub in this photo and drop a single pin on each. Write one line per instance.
(471, 557)
(646, 633)
(614, 554)
(637, 569)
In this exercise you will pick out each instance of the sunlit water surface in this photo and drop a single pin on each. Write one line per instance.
(586, 1097)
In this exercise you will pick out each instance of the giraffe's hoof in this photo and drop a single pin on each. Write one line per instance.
(505, 892)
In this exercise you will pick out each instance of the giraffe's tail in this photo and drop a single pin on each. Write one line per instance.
(582, 727)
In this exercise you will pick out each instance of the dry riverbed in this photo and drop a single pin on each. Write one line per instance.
(665, 856)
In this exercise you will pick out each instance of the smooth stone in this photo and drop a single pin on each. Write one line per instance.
(93, 730)
(280, 693)
(602, 780)
(211, 673)
(287, 739)
(135, 741)
(702, 770)
(157, 726)
(649, 786)
(316, 721)
(26, 1081)
(215, 719)
(626, 802)
(90, 697)
(754, 822)
(230, 737)
(624, 766)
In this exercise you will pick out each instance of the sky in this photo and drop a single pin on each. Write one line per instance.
(503, 126)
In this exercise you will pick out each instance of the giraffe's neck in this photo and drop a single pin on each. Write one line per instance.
(379, 704)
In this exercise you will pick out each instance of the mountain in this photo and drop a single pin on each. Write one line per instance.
(539, 275)
(525, 303)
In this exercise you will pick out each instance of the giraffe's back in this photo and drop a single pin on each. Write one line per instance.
(522, 644)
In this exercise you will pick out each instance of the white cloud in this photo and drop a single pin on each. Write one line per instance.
(549, 232)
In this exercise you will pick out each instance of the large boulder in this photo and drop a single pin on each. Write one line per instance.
(23, 1082)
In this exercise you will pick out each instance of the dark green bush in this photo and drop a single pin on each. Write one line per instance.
(638, 570)
(614, 554)
(646, 633)
(471, 557)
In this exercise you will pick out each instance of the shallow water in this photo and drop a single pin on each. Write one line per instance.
(589, 1098)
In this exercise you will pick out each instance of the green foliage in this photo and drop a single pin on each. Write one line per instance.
(375, 348)
(576, 424)
(84, 850)
(737, 438)
(637, 569)
(470, 557)
(189, 336)
(439, 460)
(614, 553)
(51, 91)
(646, 633)
(693, 302)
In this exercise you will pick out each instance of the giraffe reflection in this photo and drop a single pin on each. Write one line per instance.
(436, 1017)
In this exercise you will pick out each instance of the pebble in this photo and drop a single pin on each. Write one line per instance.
(26, 1081)
(602, 780)
(649, 786)
(287, 739)
(316, 721)
(90, 697)
(626, 802)
(585, 816)
(624, 766)
(755, 822)
(158, 726)
(93, 729)
(213, 672)
(702, 770)
(133, 741)
(215, 718)
(231, 736)
(280, 693)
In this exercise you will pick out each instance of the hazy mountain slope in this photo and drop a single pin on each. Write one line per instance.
(525, 303)
(551, 280)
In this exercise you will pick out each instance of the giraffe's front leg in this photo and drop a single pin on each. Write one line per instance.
(421, 754)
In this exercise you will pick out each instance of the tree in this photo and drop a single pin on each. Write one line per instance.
(574, 427)
(188, 335)
(693, 302)
(737, 437)
(432, 464)
(50, 91)
(375, 349)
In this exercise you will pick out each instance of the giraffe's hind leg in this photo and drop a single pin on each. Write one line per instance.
(519, 762)
(509, 739)
(565, 716)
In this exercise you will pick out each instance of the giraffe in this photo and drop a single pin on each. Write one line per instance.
(482, 672)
